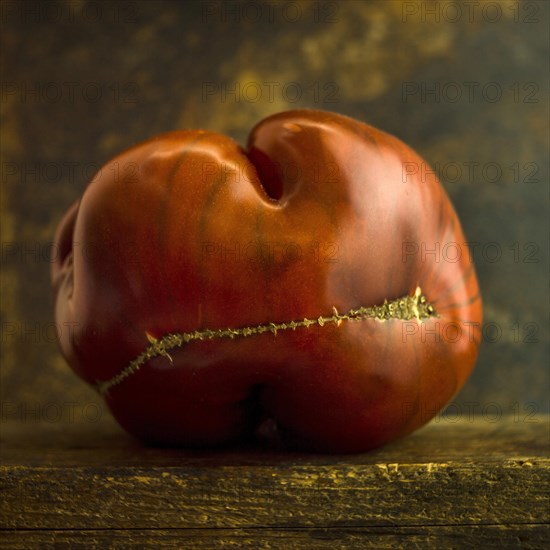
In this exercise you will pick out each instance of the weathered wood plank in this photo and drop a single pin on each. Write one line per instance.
(233, 496)
(457, 537)
(459, 475)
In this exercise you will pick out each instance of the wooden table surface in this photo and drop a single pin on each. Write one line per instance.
(451, 484)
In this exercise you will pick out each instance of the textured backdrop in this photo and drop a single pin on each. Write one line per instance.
(466, 85)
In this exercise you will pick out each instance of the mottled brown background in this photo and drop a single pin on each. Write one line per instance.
(151, 63)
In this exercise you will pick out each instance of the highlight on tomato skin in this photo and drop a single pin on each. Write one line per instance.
(277, 293)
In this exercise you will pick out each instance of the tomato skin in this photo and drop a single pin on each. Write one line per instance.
(188, 232)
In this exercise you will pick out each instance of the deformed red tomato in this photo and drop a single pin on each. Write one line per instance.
(317, 282)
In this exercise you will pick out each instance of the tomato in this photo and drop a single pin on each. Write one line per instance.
(315, 287)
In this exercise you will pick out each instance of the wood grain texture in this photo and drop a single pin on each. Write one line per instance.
(486, 536)
(446, 484)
